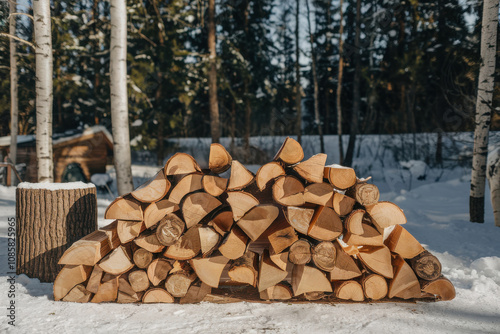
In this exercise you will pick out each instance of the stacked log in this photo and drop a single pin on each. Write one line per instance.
(296, 230)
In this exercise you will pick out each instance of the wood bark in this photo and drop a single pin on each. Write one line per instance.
(298, 87)
(212, 75)
(14, 109)
(339, 83)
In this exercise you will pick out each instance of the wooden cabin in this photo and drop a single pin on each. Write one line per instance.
(87, 151)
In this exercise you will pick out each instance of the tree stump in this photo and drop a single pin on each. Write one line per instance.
(51, 217)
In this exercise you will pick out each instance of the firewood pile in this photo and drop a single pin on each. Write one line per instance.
(297, 231)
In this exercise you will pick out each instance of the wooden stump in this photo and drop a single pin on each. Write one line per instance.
(51, 217)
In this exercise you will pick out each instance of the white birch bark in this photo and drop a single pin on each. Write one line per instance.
(483, 108)
(119, 99)
(14, 110)
(493, 175)
(43, 87)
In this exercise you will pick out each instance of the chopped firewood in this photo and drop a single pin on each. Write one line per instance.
(124, 298)
(342, 204)
(269, 273)
(241, 202)
(112, 234)
(153, 190)
(299, 217)
(240, 176)
(209, 269)
(222, 222)
(353, 222)
(281, 235)
(349, 290)
(325, 225)
(157, 295)
(214, 185)
(366, 194)
(309, 279)
(124, 208)
(219, 159)
(340, 177)
(78, 295)
(128, 230)
(405, 284)
(158, 270)
(149, 241)
(319, 193)
(95, 279)
(180, 266)
(314, 295)
(280, 291)
(234, 244)
(312, 170)
(117, 262)
(258, 219)
(324, 255)
(157, 210)
(69, 277)
(426, 266)
(139, 280)
(290, 152)
(142, 258)
(288, 190)
(370, 237)
(188, 184)
(196, 206)
(267, 173)
(107, 292)
(441, 287)
(178, 284)
(196, 294)
(244, 269)
(374, 286)
(170, 229)
(300, 252)
(279, 259)
(88, 250)
(209, 240)
(124, 285)
(181, 163)
(345, 267)
(187, 247)
(377, 259)
(385, 214)
(400, 241)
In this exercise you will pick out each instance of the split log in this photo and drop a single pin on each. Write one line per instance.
(377, 259)
(349, 290)
(107, 292)
(309, 279)
(366, 194)
(269, 273)
(214, 185)
(209, 269)
(300, 252)
(267, 173)
(178, 284)
(258, 219)
(235, 244)
(370, 237)
(345, 267)
(342, 204)
(196, 294)
(117, 262)
(181, 163)
(241, 202)
(325, 225)
(88, 250)
(128, 230)
(240, 176)
(426, 266)
(149, 241)
(314, 295)
(299, 217)
(196, 206)
(324, 255)
(374, 286)
(385, 214)
(95, 279)
(187, 247)
(157, 210)
(112, 234)
(78, 295)
(281, 235)
(170, 229)
(280, 291)
(312, 170)
(219, 159)
(209, 240)
(353, 222)
(400, 241)
(288, 190)
(222, 222)
(153, 190)
(158, 270)
(340, 177)
(319, 193)
(138, 280)
(157, 295)
(441, 288)
(142, 258)
(244, 269)
(290, 152)
(279, 259)
(187, 185)
(405, 284)
(124, 208)
(124, 298)
(68, 278)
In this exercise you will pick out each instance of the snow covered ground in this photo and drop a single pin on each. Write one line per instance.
(437, 215)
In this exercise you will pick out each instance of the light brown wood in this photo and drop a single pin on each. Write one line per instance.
(219, 159)
(157, 295)
(280, 291)
(405, 284)
(349, 290)
(281, 235)
(196, 294)
(290, 152)
(244, 269)
(112, 234)
(269, 273)
(241, 202)
(138, 280)
(441, 287)
(353, 222)
(95, 279)
(343, 204)
(153, 190)
(196, 206)
(142, 258)
(158, 270)
(268, 173)
(170, 229)
(178, 284)
(377, 259)
(312, 169)
(181, 163)
(385, 214)
(319, 193)
(370, 237)
(400, 241)
(187, 185)
(124, 208)
(234, 244)
(128, 230)
(149, 241)
(88, 250)
(187, 247)
(300, 252)
(426, 266)
(258, 219)
(209, 269)
(314, 295)
(340, 177)
(157, 210)
(366, 194)
(309, 279)
(117, 262)
(374, 286)
(240, 176)
(107, 292)
(214, 185)
(345, 267)
(325, 224)
(124, 298)
(288, 190)
(299, 217)
(279, 259)
(324, 255)
(78, 295)
(222, 222)
(125, 287)
(209, 240)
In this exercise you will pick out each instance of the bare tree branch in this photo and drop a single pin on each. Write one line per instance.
(18, 39)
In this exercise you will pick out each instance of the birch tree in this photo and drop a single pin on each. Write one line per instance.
(298, 89)
(339, 83)
(483, 109)
(14, 110)
(212, 75)
(43, 88)
(119, 99)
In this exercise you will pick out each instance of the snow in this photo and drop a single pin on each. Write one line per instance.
(56, 186)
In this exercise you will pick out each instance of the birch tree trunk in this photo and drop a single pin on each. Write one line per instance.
(119, 99)
(483, 109)
(298, 96)
(212, 76)
(14, 110)
(339, 83)
(44, 96)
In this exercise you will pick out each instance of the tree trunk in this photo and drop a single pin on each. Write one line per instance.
(48, 222)
(329, 75)
(43, 38)
(483, 109)
(298, 96)
(14, 110)
(212, 76)
(339, 84)
(494, 183)
(119, 100)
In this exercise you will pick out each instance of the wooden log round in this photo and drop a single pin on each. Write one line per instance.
(49, 219)
(324, 255)
(426, 266)
(170, 229)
